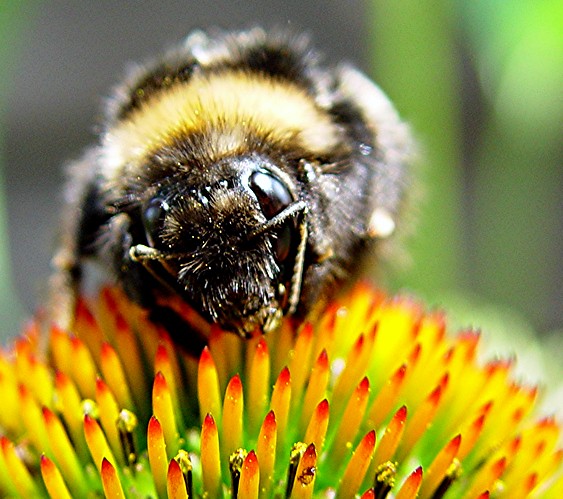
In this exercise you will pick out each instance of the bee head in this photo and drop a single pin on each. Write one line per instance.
(228, 240)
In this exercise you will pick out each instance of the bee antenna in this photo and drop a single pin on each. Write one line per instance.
(142, 253)
(291, 211)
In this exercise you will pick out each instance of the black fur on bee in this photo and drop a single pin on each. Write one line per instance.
(238, 174)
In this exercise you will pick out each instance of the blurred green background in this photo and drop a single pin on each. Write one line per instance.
(479, 81)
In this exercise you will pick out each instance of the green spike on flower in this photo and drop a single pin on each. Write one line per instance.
(374, 399)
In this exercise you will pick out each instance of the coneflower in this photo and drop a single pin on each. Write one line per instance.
(372, 399)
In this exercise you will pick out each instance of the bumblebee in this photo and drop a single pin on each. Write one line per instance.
(237, 174)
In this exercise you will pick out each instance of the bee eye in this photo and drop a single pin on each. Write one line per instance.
(153, 219)
(272, 195)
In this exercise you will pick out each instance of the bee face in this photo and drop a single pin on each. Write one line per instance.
(238, 175)
(235, 235)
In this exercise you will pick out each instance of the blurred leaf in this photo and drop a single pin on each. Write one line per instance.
(415, 63)
(518, 51)
(12, 21)
(504, 246)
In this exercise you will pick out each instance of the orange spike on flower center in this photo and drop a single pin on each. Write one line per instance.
(97, 443)
(233, 407)
(157, 455)
(266, 452)
(316, 430)
(280, 403)
(316, 388)
(258, 385)
(249, 477)
(110, 481)
(208, 386)
(437, 470)
(20, 477)
(64, 453)
(210, 457)
(386, 398)
(358, 465)
(411, 486)
(163, 410)
(304, 483)
(176, 486)
(53, 479)
(391, 437)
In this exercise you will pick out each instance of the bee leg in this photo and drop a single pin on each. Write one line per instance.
(80, 222)
(116, 252)
(63, 288)
(319, 243)
(144, 286)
